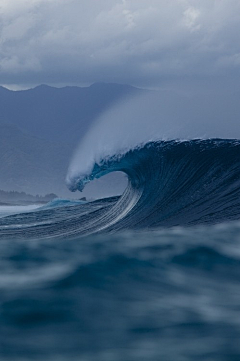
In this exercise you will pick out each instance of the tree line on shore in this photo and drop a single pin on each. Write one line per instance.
(6, 196)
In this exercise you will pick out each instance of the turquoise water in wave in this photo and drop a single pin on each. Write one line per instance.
(172, 294)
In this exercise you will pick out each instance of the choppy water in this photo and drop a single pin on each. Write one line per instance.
(165, 295)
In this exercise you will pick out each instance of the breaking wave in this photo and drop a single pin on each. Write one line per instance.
(170, 183)
(173, 183)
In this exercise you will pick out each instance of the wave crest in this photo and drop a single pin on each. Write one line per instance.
(173, 183)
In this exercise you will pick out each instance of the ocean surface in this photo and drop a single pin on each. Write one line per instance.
(151, 275)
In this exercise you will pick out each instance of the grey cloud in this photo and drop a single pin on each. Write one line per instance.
(135, 42)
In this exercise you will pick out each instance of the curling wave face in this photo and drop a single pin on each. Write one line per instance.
(170, 183)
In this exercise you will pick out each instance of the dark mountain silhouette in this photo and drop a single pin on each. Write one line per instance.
(59, 114)
(40, 128)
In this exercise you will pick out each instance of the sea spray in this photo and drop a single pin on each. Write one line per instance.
(162, 115)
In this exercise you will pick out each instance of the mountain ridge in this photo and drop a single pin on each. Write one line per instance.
(59, 114)
(40, 129)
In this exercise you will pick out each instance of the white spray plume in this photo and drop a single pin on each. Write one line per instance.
(162, 115)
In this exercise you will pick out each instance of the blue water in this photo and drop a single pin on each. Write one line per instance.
(151, 275)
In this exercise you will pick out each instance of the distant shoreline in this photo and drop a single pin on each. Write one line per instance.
(22, 203)
(14, 198)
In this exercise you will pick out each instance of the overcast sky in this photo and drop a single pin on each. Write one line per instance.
(139, 42)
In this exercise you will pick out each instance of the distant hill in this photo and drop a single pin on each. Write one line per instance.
(59, 114)
(40, 128)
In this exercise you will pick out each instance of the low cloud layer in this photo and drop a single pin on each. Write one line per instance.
(138, 42)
